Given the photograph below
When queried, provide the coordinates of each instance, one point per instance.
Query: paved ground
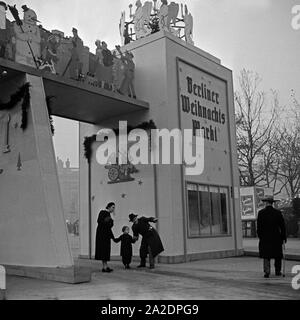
(233, 278)
(292, 246)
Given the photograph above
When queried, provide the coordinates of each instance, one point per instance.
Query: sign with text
(251, 201)
(248, 209)
(203, 105)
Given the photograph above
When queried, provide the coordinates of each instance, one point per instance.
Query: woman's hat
(3, 4)
(132, 216)
(269, 199)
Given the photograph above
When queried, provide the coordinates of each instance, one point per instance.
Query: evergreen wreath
(88, 141)
(48, 102)
(22, 93)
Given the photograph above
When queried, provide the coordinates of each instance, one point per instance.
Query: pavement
(218, 279)
(292, 248)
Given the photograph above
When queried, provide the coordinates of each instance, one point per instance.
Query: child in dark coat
(126, 246)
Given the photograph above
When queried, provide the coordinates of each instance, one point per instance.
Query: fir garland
(87, 144)
(48, 102)
(88, 141)
(22, 93)
(145, 126)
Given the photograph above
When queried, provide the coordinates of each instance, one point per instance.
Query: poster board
(251, 201)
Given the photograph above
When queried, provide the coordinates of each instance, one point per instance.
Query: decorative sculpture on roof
(3, 29)
(188, 20)
(6, 46)
(50, 46)
(26, 42)
(27, 37)
(3, 8)
(173, 10)
(122, 27)
(149, 19)
(127, 85)
(104, 65)
(75, 63)
(141, 19)
(163, 16)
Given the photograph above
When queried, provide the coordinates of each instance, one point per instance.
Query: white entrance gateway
(199, 216)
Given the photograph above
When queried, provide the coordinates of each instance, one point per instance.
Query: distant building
(69, 184)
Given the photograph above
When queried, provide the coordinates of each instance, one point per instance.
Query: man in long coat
(151, 242)
(272, 234)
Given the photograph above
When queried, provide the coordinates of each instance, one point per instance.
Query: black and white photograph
(149, 151)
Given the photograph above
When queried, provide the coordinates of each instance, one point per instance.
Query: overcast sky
(252, 34)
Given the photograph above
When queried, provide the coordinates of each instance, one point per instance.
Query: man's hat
(25, 8)
(269, 199)
(132, 216)
(3, 4)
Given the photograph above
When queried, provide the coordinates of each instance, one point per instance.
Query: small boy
(126, 246)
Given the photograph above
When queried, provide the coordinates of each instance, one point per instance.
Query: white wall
(32, 226)
(219, 168)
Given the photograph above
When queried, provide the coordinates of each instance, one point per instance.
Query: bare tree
(288, 152)
(256, 134)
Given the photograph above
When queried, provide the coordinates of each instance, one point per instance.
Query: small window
(194, 225)
(224, 210)
(204, 203)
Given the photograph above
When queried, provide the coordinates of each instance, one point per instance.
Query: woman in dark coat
(151, 242)
(104, 235)
(272, 234)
